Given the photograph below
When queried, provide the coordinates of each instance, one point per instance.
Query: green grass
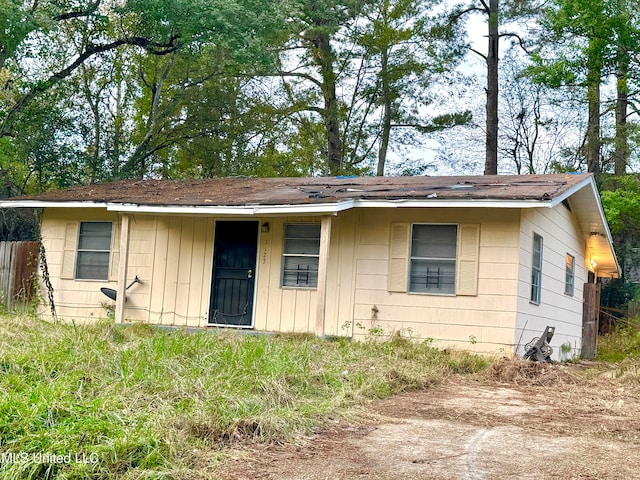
(623, 343)
(137, 402)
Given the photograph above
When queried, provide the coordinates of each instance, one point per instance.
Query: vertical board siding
(18, 268)
(289, 309)
(561, 235)
(78, 300)
(170, 254)
(185, 262)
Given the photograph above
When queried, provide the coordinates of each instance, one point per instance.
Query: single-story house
(483, 263)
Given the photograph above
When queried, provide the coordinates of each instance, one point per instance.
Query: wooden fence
(18, 267)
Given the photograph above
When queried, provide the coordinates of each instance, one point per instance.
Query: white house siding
(561, 235)
(483, 323)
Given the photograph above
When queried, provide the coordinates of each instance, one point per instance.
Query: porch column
(122, 268)
(323, 262)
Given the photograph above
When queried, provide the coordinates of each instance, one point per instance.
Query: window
(433, 259)
(570, 275)
(300, 255)
(94, 245)
(536, 269)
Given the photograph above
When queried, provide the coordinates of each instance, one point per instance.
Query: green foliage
(621, 344)
(143, 403)
(621, 203)
(617, 293)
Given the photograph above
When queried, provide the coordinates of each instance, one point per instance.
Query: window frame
(570, 275)
(452, 260)
(536, 269)
(80, 251)
(312, 275)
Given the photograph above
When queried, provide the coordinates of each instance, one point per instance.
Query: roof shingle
(237, 191)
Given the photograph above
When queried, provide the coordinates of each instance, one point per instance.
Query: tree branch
(152, 47)
(478, 53)
(520, 41)
(456, 15)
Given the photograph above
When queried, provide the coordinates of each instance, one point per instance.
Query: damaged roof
(242, 191)
(247, 197)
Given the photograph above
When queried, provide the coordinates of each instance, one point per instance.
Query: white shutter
(468, 252)
(114, 259)
(398, 257)
(69, 251)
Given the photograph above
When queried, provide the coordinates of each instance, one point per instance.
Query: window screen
(94, 245)
(433, 259)
(301, 253)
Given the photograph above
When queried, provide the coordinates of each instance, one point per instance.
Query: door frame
(256, 273)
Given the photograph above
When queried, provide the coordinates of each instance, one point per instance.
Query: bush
(623, 342)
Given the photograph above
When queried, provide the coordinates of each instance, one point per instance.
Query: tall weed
(137, 402)
(622, 343)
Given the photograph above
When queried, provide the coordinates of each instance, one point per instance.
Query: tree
(404, 48)
(589, 41)
(540, 129)
(80, 57)
(496, 15)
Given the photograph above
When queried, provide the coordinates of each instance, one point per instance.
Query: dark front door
(234, 265)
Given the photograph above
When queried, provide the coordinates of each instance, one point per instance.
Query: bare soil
(518, 421)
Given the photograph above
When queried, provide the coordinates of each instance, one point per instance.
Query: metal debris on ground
(538, 349)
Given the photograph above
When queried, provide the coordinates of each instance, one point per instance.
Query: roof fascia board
(50, 204)
(326, 208)
(590, 182)
(461, 203)
(577, 187)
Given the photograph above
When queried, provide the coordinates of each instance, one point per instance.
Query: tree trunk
(324, 57)
(621, 152)
(491, 162)
(386, 115)
(593, 127)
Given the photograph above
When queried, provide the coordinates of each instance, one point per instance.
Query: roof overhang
(584, 200)
(311, 208)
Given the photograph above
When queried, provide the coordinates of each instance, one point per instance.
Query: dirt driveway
(518, 421)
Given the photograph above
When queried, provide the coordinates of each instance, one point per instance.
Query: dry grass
(524, 372)
(159, 404)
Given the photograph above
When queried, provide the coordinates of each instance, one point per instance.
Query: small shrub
(623, 342)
